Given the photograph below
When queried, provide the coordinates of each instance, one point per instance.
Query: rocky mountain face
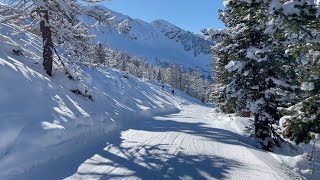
(155, 41)
(189, 40)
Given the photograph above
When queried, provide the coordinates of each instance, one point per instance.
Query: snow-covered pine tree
(58, 23)
(221, 57)
(215, 35)
(132, 66)
(173, 75)
(300, 20)
(259, 74)
(196, 85)
(121, 60)
(100, 54)
(110, 56)
(151, 72)
(159, 77)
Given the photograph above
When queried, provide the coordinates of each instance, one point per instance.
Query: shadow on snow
(154, 161)
(147, 161)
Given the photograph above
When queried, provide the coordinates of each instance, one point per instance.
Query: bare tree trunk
(47, 41)
(256, 117)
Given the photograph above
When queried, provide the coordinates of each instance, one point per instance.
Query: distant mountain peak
(159, 40)
(190, 41)
(163, 22)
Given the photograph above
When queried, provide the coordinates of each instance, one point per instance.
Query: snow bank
(41, 119)
(288, 156)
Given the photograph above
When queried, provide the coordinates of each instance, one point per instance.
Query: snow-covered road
(193, 144)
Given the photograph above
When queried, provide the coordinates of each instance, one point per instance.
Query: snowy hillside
(39, 114)
(155, 41)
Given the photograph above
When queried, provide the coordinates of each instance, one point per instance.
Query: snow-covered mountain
(155, 41)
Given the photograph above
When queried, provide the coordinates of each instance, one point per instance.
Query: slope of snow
(158, 40)
(38, 114)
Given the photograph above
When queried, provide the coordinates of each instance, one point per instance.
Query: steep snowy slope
(158, 40)
(41, 119)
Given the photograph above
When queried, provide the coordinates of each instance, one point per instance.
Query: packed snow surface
(196, 143)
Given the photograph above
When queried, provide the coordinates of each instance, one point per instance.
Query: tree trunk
(263, 132)
(256, 117)
(47, 41)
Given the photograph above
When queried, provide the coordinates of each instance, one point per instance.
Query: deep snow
(132, 130)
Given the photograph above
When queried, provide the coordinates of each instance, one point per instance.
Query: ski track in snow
(192, 144)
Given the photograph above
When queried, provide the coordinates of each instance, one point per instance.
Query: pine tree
(300, 19)
(100, 54)
(109, 56)
(159, 75)
(173, 76)
(58, 23)
(196, 85)
(216, 92)
(221, 58)
(258, 72)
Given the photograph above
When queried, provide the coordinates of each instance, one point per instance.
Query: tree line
(177, 76)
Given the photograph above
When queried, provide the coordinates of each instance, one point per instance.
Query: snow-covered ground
(41, 119)
(190, 144)
(131, 129)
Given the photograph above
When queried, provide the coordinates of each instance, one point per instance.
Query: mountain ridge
(156, 41)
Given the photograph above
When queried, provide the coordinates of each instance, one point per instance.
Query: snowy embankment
(289, 158)
(42, 120)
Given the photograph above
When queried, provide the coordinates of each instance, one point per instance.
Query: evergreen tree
(173, 76)
(196, 85)
(100, 54)
(221, 58)
(57, 21)
(159, 75)
(300, 20)
(258, 72)
(109, 56)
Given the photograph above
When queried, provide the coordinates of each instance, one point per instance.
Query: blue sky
(191, 15)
